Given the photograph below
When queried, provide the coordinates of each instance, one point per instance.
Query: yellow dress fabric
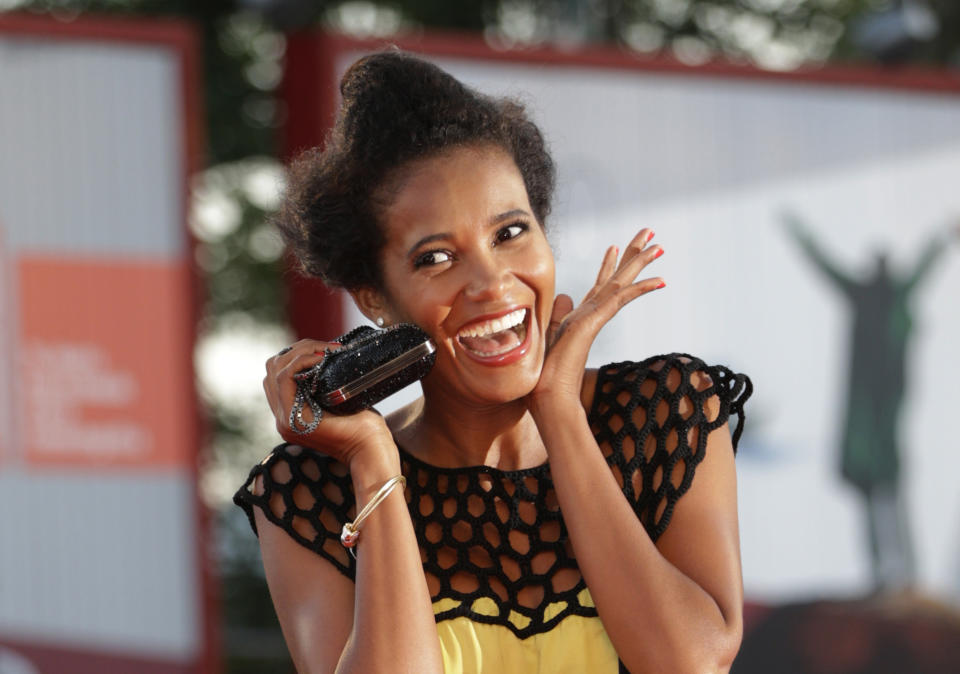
(577, 645)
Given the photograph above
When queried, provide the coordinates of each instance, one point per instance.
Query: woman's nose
(488, 280)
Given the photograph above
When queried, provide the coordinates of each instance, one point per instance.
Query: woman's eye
(511, 232)
(431, 258)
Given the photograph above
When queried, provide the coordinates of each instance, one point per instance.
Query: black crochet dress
(488, 536)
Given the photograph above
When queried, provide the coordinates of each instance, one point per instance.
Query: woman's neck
(446, 432)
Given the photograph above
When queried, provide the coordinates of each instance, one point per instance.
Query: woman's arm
(671, 607)
(313, 601)
(384, 622)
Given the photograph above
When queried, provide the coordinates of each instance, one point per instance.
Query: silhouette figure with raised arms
(870, 454)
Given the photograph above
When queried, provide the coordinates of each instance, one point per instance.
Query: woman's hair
(396, 108)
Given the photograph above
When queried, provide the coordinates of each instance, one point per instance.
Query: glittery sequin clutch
(368, 366)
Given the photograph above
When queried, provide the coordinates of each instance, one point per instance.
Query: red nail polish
(660, 285)
(659, 253)
(650, 235)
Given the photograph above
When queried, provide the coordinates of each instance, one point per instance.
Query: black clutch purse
(368, 366)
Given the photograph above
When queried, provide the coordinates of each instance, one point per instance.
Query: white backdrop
(711, 164)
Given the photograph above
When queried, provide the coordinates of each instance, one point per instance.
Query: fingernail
(658, 254)
(660, 285)
(650, 234)
(616, 251)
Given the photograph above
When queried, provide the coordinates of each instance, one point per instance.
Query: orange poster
(7, 357)
(103, 351)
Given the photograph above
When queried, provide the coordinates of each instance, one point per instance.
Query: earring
(379, 321)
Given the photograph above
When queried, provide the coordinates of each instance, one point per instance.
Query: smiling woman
(550, 519)
(464, 253)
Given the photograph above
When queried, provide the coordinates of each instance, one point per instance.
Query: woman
(428, 205)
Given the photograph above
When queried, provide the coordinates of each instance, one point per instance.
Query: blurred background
(799, 160)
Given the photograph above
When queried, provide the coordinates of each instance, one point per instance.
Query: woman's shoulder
(678, 380)
(653, 420)
(304, 492)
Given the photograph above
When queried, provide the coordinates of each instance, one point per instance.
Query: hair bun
(395, 108)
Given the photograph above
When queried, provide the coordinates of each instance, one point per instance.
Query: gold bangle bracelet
(351, 530)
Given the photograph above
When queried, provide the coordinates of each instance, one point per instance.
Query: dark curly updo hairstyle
(396, 108)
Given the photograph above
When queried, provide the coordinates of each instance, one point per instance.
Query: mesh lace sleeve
(652, 420)
(306, 494)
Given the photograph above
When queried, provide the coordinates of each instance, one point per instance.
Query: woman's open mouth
(493, 340)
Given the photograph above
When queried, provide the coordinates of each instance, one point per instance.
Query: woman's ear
(372, 304)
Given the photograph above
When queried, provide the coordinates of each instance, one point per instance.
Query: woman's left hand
(572, 330)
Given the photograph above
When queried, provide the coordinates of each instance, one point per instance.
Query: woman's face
(466, 260)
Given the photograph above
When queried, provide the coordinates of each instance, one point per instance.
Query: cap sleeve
(652, 420)
(308, 495)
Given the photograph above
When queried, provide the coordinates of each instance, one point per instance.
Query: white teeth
(511, 320)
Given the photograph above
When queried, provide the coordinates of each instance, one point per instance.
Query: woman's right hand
(340, 437)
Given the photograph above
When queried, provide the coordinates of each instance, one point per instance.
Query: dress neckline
(540, 470)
